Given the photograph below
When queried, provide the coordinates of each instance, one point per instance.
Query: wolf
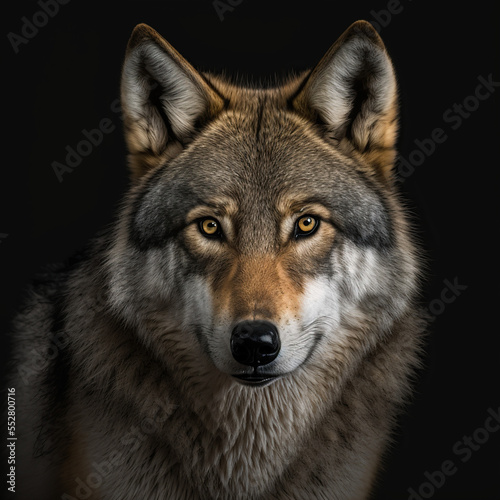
(249, 328)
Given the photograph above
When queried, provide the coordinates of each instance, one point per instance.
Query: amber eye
(306, 225)
(210, 227)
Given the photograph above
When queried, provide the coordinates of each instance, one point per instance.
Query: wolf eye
(210, 227)
(306, 225)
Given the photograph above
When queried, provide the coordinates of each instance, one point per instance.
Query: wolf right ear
(163, 100)
(352, 92)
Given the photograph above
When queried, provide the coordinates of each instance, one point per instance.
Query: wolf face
(262, 237)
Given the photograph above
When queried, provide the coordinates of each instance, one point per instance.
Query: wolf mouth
(256, 380)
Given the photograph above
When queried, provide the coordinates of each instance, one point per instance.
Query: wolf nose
(255, 343)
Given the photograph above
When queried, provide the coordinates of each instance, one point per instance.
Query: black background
(66, 78)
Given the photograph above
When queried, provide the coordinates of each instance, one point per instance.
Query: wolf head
(262, 236)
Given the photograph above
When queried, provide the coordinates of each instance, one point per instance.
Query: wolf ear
(164, 99)
(352, 92)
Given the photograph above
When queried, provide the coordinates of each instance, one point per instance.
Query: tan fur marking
(258, 288)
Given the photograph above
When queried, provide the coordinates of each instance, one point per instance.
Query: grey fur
(139, 399)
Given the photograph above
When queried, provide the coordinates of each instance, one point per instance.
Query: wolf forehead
(260, 156)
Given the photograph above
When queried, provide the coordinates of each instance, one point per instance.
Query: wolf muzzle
(255, 343)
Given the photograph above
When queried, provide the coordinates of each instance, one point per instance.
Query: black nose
(255, 343)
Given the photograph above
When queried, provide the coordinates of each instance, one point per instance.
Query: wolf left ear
(163, 100)
(352, 92)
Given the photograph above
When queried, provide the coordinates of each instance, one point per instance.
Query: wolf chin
(249, 327)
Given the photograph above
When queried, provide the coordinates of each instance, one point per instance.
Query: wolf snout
(255, 343)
